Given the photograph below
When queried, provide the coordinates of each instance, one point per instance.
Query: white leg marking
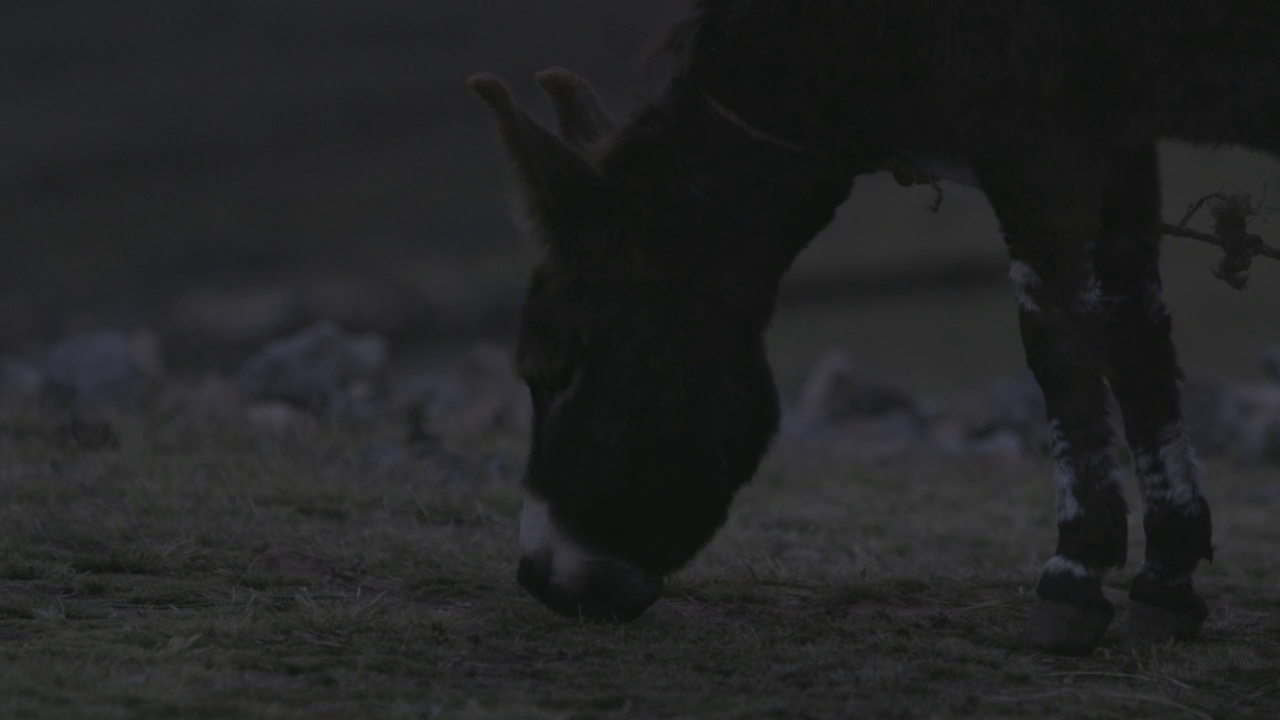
(1170, 473)
(539, 534)
(1091, 295)
(1024, 279)
(1059, 566)
(1064, 476)
(1067, 472)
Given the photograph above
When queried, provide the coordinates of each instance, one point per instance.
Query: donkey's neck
(726, 202)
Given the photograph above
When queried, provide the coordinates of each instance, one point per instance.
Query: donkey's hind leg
(1045, 191)
(1144, 375)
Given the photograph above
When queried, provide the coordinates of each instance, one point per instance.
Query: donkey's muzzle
(608, 590)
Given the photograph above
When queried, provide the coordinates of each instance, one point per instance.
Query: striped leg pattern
(1050, 221)
(1144, 373)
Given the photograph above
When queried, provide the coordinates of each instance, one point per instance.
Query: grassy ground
(161, 567)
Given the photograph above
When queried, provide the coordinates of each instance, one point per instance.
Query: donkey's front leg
(1049, 204)
(1144, 373)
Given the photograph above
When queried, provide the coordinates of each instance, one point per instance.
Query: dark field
(222, 174)
(203, 569)
(162, 164)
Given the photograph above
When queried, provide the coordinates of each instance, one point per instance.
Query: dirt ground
(197, 568)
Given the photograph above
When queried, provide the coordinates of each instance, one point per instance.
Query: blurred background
(224, 171)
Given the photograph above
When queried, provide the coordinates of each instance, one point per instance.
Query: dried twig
(1119, 675)
(1231, 214)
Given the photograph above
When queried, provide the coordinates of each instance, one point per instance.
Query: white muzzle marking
(539, 534)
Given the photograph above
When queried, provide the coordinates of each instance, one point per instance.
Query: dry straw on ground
(192, 569)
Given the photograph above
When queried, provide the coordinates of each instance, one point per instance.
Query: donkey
(641, 332)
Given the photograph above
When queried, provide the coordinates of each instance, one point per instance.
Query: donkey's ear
(580, 116)
(558, 180)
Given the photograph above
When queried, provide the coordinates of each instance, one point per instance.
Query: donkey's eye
(561, 395)
(550, 393)
(547, 379)
(550, 389)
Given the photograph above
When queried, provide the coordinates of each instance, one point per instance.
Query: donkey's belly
(957, 170)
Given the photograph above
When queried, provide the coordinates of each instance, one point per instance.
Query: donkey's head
(653, 401)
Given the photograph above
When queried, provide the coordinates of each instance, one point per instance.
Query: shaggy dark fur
(666, 238)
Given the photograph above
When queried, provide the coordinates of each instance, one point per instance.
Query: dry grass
(205, 570)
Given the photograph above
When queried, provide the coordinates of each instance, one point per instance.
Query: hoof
(1065, 629)
(1159, 612)
(1152, 623)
